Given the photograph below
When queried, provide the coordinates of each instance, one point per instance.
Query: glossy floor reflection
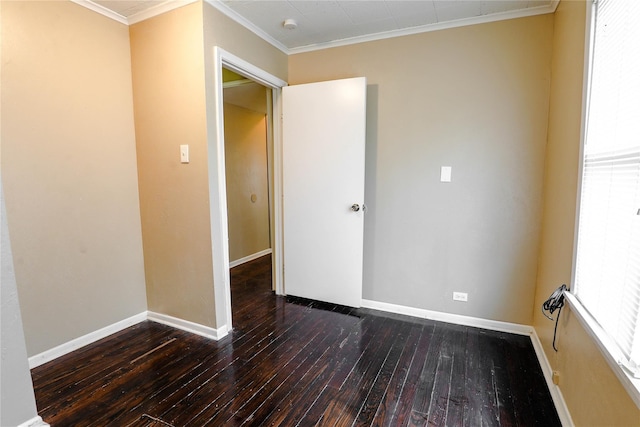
(298, 362)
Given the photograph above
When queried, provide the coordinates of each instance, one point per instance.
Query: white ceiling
(326, 23)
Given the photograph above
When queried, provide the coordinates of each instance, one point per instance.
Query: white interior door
(323, 189)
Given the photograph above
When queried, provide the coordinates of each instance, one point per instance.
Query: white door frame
(218, 185)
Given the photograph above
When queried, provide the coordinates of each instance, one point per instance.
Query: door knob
(355, 207)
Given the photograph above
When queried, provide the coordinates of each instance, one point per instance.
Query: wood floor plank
(360, 392)
(457, 393)
(504, 400)
(481, 372)
(97, 360)
(334, 364)
(263, 401)
(295, 362)
(335, 394)
(259, 374)
(122, 382)
(193, 377)
(523, 363)
(391, 399)
(410, 387)
(440, 396)
(200, 395)
(422, 398)
(285, 380)
(376, 391)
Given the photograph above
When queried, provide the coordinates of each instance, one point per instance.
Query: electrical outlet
(460, 296)
(555, 377)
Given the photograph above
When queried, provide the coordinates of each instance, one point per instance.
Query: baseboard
(457, 319)
(249, 258)
(494, 325)
(34, 422)
(75, 344)
(556, 393)
(69, 346)
(185, 325)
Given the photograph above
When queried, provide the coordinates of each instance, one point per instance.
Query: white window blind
(607, 279)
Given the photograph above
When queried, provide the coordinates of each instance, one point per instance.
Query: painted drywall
(475, 99)
(223, 32)
(245, 137)
(169, 103)
(220, 30)
(593, 394)
(172, 69)
(17, 401)
(69, 170)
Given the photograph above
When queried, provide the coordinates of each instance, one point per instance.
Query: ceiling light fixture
(290, 24)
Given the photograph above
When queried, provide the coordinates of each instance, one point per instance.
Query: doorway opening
(248, 174)
(218, 198)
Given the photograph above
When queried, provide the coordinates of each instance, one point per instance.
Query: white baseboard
(34, 422)
(249, 258)
(185, 325)
(69, 346)
(457, 319)
(217, 334)
(556, 393)
(494, 325)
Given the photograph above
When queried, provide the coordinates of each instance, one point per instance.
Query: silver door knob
(355, 207)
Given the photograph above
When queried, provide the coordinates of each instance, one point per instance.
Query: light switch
(184, 153)
(445, 174)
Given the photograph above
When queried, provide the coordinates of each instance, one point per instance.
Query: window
(607, 275)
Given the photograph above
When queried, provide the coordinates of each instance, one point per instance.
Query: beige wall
(245, 136)
(592, 392)
(172, 69)
(219, 30)
(474, 98)
(69, 170)
(223, 32)
(169, 102)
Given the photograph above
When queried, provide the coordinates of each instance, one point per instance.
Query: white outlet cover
(460, 296)
(445, 174)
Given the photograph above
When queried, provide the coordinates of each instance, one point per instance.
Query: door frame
(218, 186)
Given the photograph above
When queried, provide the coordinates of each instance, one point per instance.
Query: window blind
(607, 279)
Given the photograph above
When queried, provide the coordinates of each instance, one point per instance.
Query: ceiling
(247, 94)
(328, 23)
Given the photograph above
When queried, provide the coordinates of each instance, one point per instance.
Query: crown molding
(101, 10)
(158, 9)
(540, 10)
(169, 5)
(233, 15)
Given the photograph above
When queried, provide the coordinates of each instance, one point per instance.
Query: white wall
(17, 401)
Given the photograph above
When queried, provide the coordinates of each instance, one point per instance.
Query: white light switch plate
(445, 174)
(184, 153)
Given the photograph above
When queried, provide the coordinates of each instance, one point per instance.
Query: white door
(323, 189)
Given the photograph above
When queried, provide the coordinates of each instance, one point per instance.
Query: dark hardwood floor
(293, 362)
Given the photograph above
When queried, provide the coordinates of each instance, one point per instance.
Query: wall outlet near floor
(460, 296)
(555, 377)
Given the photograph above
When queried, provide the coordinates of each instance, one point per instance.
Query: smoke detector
(290, 24)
